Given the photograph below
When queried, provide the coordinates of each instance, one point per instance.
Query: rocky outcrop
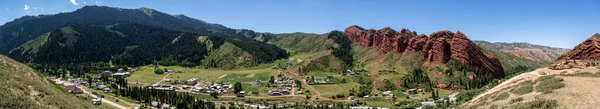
(587, 50)
(441, 46)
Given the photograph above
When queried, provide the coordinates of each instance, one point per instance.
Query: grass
(537, 104)
(23, 88)
(111, 97)
(524, 88)
(548, 83)
(146, 74)
(502, 96)
(584, 74)
(378, 102)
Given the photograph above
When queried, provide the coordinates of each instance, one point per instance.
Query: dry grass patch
(524, 88)
(502, 96)
(548, 83)
(537, 104)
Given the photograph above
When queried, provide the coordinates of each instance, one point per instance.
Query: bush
(537, 104)
(548, 83)
(516, 100)
(525, 88)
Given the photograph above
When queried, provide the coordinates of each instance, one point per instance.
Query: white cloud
(26, 8)
(73, 2)
(84, 3)
(98, 2)
(43, 10)
(6, 9)
(35, 8)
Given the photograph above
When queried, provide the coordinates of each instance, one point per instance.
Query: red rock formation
(587, 50)
(441, 46)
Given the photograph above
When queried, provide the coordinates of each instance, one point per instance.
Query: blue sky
(557, 23)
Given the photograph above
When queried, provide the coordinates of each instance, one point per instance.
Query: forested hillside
(134, 37)
(136, 45)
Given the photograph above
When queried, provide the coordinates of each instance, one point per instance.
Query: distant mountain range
(528, 51)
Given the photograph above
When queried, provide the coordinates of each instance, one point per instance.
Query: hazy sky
(558, 23)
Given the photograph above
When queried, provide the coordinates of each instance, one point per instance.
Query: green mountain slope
(28, 28)
(137, 44)
(22, 88)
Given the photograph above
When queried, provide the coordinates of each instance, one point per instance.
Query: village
(278, 85)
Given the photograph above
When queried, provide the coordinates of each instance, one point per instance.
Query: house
(326, 79)
(275, 93)
(107, 90)
(165, 106)
(77, 90)
(97, 101)
(107, 73)
(192, 81)
(119, 75)
(155, 103)
(258, 82)
(411, 91)
(100, 87)
(167, 80)
(299, 92)
(70, 87)
(386, 93)
(241, 94)
(351, 73)
(285, 91)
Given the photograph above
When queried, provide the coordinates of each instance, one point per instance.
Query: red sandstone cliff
(587, 50)
(439, 46)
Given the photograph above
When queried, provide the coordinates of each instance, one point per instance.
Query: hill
(133, 37)
(23, 88)
(587, 50)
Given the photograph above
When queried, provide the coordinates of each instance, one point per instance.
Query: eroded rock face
(587, 50)
(441, 46)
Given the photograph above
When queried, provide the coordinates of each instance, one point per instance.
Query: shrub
(525, 88)
(548, 83)
(516, 100)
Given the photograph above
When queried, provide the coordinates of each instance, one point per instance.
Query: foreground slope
(571, 82)
(543, 88)
(22, 88)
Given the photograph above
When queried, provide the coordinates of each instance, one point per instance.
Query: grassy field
(146, 74)
(378, 102)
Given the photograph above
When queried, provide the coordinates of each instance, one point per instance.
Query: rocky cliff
(587, 50)
(441, 46)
